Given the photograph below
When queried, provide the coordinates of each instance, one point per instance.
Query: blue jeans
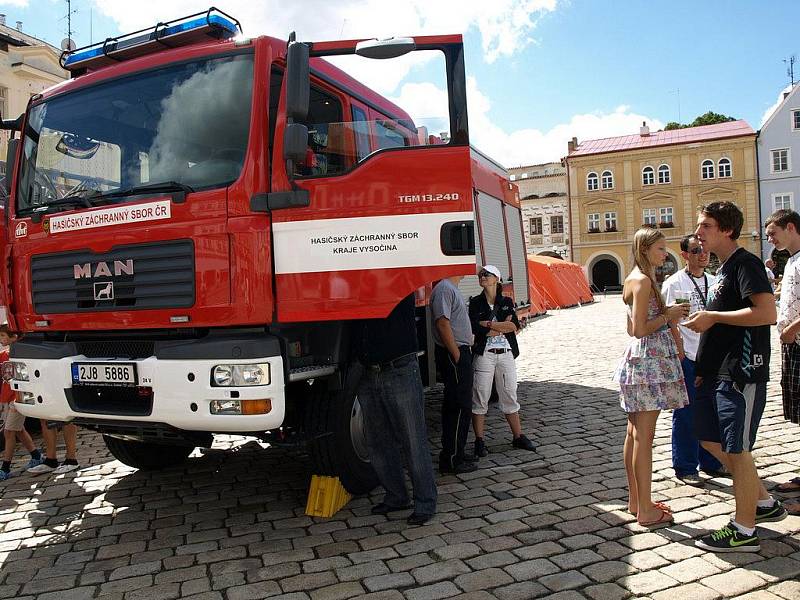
(687, 454)
(393, 404)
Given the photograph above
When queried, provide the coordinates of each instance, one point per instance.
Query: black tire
(147, 456)
(337, 444)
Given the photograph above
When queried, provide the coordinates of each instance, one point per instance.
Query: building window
(594, 222)
(665, 216)
(611, 221)
(513, 177)
(707, 169)
(796, 119)
(4, 101)
(780, 160)
(557, 224)
(591, 182)
(724, 167)
(780, 201)
(524, 176)
(536, 226)
(648, 176)
(608, 180)
(649, 216)
(664, 175)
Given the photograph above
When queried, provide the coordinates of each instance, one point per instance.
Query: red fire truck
(195, 218)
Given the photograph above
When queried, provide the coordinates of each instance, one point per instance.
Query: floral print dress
(649, 374)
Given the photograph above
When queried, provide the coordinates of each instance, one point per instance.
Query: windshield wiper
(76, 200)
(177, 189)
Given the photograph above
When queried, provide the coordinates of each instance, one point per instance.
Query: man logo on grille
(104, 291)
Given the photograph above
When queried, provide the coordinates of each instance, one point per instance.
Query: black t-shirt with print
(740, 354)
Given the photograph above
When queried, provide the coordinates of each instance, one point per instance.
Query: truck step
(311, 372)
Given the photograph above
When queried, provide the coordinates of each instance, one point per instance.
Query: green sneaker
(729, 539)
(773, 513)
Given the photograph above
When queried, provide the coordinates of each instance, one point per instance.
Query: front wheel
(338, 446)
(147, 456)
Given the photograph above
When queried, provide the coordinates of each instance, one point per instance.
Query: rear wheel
(147, 456)
(338, 446)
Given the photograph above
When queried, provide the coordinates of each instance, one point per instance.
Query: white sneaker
(65, 468)
(41, 469)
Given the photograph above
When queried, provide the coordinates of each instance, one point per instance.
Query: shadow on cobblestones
(230, 525)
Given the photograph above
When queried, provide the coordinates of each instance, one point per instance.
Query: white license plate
(104, 373)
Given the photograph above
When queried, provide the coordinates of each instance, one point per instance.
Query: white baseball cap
(493, 270)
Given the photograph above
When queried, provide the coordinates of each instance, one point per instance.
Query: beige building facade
(617, 185)
(28, 66)
(545, 208)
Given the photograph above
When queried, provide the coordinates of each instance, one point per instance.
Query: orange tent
(561, 283)
(537, 297)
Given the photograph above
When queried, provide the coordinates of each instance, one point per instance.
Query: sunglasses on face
(485, 274)
(697, 250)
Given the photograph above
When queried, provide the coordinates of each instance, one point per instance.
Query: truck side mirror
(298, 83)
(11, 159)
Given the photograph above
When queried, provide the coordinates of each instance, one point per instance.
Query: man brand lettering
(102, 269)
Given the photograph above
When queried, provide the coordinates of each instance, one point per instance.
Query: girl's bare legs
(644, 430)
(627, 457)
(637, 454)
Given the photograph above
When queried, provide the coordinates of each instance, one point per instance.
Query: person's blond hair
(643, 240)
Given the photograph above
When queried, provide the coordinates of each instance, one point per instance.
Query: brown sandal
(793, 485)
(792, 507)
(659, 505)
(665, 518)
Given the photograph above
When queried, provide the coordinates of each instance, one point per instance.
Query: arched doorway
(605, 273)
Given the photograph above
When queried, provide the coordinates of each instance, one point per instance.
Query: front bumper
(174, 384)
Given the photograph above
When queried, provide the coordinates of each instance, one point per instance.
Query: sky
(539, 71)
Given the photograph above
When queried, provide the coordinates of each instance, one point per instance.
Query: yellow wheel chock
(326, 496)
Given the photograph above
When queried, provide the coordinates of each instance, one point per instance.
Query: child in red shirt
(12, 422)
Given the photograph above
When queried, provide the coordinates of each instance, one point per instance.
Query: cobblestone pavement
(230, 525)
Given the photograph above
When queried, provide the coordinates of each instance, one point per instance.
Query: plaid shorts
(10, 419)
(790, 381)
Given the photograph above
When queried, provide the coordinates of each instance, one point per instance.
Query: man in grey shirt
(453, 335)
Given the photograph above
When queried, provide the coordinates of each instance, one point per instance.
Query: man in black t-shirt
(732, 369)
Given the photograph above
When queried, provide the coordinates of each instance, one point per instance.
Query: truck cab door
(387, 187)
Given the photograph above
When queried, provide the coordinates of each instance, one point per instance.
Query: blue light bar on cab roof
(179, 32)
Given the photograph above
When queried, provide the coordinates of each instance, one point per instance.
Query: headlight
(222, 375)
(240, 375)
(15, 370)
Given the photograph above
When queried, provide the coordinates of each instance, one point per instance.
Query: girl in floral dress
(649, 374)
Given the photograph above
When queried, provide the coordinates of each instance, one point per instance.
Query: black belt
(498, 350)
(395, 363)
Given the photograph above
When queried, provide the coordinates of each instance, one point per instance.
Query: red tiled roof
(664, 138)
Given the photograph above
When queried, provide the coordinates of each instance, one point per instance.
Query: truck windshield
(185, 124)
